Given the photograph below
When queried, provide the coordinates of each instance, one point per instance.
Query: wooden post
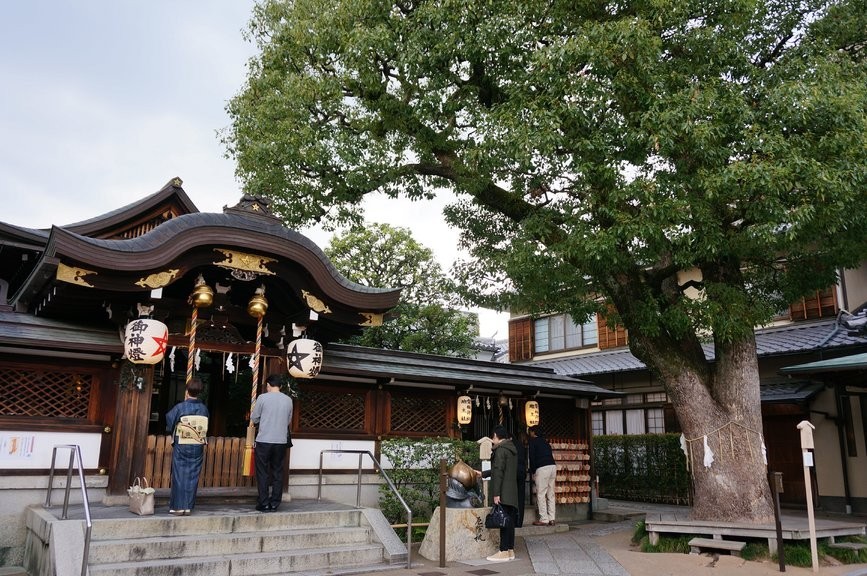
(776, 481)
(806, 429)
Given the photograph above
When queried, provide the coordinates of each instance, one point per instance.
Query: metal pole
(442, 513)
(319, 491)
(358, 490)
(68, 484)
(51, 478)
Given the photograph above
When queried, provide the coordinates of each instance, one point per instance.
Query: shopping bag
(497, 518)
(141, 497)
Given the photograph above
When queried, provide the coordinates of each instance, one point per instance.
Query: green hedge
(415, 472)
(641, 467)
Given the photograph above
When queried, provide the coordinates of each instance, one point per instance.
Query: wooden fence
(224, 458)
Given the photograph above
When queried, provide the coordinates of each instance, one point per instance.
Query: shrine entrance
(227, 377)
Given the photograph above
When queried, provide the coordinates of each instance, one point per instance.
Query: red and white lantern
(144, 341)
(304, 358)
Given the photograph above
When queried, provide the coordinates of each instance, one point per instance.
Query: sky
(103, 102)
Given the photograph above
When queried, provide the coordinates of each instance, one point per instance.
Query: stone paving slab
(571, 555)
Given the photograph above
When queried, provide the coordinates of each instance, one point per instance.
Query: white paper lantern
(465, 410)
(144, 341)
(304, 358)
(531, 413)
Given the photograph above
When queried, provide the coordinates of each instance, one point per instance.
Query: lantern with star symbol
(144, 341)
(304, 358)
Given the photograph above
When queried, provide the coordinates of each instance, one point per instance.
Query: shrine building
(227, 286)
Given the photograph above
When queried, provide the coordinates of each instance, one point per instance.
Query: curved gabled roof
(171, 192)
(258, 233)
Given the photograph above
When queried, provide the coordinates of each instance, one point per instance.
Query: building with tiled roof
(815, 329)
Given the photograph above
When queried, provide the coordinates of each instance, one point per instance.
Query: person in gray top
(273, 414)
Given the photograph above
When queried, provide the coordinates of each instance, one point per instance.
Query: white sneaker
(501, 556)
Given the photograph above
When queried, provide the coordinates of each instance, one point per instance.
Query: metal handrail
(74, 450)
(388, 481)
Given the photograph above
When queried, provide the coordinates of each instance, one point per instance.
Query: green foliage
(596, 151)
(756, 550)
(642, 467)
(416, 472)
(796, 553)
(639, 533)
(425, 320)
(668, 544)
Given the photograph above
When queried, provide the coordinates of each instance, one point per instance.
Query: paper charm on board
(708, 454)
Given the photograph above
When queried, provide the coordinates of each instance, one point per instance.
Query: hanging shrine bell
(465, 410)
(203, 295)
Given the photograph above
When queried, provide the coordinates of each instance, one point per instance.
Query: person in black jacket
(504, 489)
(520, 441)
(544, 471)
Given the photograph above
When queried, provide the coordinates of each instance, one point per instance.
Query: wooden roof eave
(456, 372)
(157, 249)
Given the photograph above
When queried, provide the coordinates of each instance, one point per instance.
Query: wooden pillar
(129, 436)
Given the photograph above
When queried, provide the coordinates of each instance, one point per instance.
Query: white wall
(32, 450)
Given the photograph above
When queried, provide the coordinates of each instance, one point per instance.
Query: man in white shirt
(273, 414)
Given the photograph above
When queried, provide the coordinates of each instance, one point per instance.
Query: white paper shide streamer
(172, 359)
(708, 454)
(230, 364)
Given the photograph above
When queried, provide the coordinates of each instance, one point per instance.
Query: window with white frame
(637, 413)
(560, 332)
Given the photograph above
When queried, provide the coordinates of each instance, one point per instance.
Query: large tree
(598, 150)
(426, 318)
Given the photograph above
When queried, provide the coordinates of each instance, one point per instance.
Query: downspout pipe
(844, 453)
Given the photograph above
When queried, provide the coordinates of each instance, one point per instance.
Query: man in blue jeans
(273, 414)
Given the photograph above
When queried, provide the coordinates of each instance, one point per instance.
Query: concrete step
(164, 547)
(160, 525)
(255, 564)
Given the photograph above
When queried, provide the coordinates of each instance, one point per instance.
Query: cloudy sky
(104, 101)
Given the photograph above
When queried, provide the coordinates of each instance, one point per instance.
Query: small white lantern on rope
(465, 410)
(144, 341)
(531, 413)
(304, 358)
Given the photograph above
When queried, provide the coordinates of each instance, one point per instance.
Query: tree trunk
(719, 403)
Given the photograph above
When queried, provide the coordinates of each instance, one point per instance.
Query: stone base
(466, 535)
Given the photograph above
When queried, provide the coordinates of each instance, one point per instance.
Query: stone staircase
(221, 542)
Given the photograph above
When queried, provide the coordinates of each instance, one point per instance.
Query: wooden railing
(221, 469)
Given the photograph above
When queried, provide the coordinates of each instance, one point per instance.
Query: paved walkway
(568, 553)
(582, 552)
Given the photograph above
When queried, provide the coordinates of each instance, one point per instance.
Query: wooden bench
(732, 546)
(848, 545)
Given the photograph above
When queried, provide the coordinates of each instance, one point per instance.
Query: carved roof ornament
(314, 303)
(253, 205)
(159, 279)
(244, 262)
(74, 275)
(371, 319)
